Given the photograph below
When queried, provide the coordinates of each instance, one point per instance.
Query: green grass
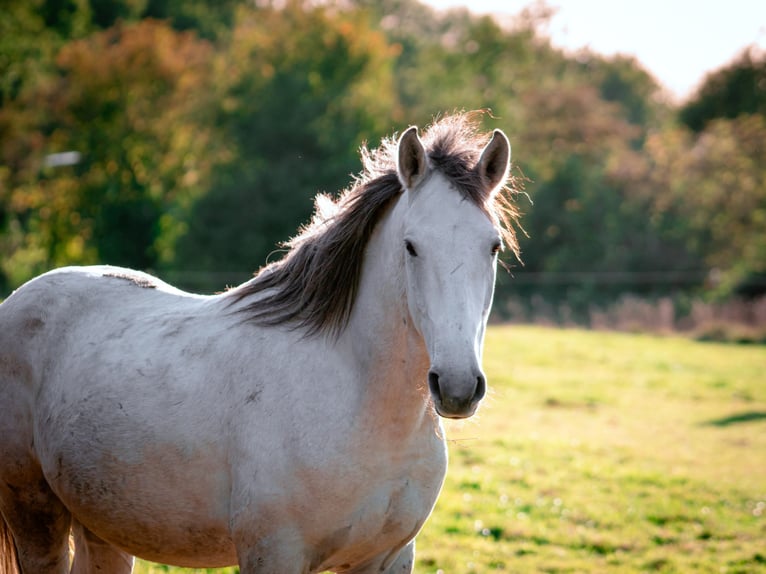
(603, 452)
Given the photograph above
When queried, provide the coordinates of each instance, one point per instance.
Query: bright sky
(678, 41)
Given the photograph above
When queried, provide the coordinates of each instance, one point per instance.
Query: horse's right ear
(411, 162)
(495, 161)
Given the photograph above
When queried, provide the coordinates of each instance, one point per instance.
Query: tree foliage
(126, 98)
(727, 93)
(314, 86)
(203, 129)
(714, 196)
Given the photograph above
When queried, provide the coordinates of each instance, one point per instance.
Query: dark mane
(315, 284)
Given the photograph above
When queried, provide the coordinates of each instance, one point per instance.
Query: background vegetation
(598, 452)
(202, 129)
(196, 133)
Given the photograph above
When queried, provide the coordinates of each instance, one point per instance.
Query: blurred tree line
(201, 130)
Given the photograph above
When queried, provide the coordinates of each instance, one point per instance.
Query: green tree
(731, 91)
(27, 48)
(713, 197)
(211, 19)
(125, 101)
(300, 89)
(623, 80)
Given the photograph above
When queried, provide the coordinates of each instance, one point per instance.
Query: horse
(291, 424)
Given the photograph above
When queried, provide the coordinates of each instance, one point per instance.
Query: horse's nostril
(433, 384)
(481, 388)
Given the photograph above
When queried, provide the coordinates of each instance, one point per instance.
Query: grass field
(604, 452)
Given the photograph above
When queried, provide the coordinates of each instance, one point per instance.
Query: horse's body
(206, 431)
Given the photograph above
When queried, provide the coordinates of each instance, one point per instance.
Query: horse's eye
(410, 249)
(496, 248)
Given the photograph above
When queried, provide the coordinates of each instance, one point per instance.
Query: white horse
(286, 425)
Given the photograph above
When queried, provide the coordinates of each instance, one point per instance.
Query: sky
(678, 41)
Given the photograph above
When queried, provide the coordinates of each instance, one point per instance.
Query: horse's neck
(391, 353)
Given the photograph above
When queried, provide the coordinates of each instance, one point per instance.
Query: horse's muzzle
(456, 398)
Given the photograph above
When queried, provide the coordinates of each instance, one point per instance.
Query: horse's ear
(495, 161)
(411, 162)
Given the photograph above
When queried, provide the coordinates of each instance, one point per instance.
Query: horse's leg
(272, 558)
(92, 555)
(39, 523)
(403, 562)
(283, 553)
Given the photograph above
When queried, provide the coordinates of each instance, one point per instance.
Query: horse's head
(450, 245)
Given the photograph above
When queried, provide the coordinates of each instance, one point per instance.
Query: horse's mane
(315, 284)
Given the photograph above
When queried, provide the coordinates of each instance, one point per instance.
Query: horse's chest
(385, 519)
(377, 511)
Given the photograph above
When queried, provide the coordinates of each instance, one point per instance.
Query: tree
(301, 89)
(125, 100)
(210, 19)
(714, 196)
(731, 91)
(27, 48)
(623, 80)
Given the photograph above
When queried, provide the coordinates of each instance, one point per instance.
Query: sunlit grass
(603, 452)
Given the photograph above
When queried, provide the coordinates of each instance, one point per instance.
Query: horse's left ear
(495, 161)
(411, 162)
